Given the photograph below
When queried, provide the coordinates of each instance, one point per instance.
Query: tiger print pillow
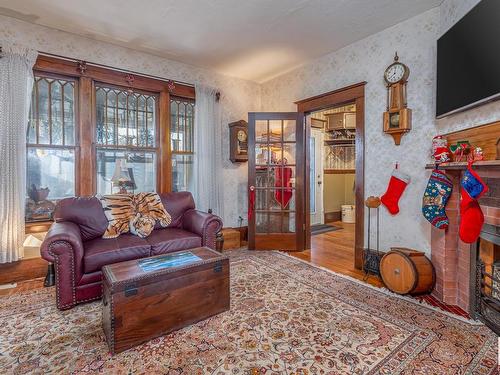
(149, 204)
(118, 208)
(141, 225)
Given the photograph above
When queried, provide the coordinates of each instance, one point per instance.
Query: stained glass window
(182, 142)
(126, 127)
(125, 118)
(50, 146)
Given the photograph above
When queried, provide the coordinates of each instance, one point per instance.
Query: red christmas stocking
(397, 185)
(471, 216)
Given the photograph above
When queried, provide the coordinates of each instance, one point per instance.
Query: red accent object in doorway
(251, 202)
(283, 176)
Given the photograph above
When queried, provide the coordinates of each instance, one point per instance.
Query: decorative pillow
(149, 204)
(141, 225)
(118, 209)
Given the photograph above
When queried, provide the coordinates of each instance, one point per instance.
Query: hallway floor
(335, 251)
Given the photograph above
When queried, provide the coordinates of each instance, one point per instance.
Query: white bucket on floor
(348, 213)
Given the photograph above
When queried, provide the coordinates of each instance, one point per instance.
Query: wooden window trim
(49, 64)
(85, 142)
(37, 226)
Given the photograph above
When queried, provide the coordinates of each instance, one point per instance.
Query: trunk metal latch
(218, 266)
(131, 289)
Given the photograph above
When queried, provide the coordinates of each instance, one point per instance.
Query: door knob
(319, 182)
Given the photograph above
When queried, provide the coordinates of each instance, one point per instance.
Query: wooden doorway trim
(350, 94)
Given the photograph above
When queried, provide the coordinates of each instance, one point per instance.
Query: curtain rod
(111, 67)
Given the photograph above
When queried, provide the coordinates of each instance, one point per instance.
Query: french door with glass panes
(276, 177)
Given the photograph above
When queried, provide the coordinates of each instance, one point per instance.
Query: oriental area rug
(286, 317)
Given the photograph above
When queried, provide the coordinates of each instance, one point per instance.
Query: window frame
(86, 76)
(182, 153)
(37, 145)
(128, 148)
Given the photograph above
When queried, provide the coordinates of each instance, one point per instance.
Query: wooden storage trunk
(231, 238)
(140, 305)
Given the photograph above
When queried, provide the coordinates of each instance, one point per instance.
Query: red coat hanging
(283, 176)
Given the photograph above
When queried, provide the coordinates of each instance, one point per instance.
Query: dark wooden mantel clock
(238, 138)
(397, 118)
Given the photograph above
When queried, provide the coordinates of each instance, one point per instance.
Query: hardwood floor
(335, 251)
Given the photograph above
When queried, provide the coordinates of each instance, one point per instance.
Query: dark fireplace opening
(485, 278)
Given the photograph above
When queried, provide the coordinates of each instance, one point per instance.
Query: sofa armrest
(63, 246)
(62, 232)
(203, 224)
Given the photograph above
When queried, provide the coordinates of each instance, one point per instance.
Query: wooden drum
(406, 271)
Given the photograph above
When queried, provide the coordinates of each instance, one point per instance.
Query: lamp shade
(121, 174)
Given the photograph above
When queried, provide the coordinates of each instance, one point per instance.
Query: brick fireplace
(450, 256)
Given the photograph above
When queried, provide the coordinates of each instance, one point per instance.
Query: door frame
(350, 94)
(300, 208)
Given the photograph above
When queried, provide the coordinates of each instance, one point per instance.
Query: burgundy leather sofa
(75, 246)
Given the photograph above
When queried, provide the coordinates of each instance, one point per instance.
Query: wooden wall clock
(238, 138)
(397, 117)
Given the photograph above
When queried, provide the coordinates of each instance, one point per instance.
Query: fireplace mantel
(484, 164)
(451, 256)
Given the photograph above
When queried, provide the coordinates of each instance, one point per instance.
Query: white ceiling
(250, 39)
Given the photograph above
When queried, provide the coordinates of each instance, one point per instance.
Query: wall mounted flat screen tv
(468, 60)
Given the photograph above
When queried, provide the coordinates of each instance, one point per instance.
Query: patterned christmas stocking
(397, 185)
(471, 216)
(436, 196)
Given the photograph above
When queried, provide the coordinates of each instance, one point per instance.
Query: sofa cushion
(86, 212)
(100, 252)
(176, 204)
(172, 239)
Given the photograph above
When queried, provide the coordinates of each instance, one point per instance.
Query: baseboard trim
(26, 269)
(333, 216)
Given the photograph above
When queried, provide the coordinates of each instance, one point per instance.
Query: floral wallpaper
(366, 60)
(238, 96)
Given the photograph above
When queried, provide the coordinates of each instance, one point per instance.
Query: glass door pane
(273, 177)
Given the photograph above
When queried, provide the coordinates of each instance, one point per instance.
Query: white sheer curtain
(16, 81)
(207, 182)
